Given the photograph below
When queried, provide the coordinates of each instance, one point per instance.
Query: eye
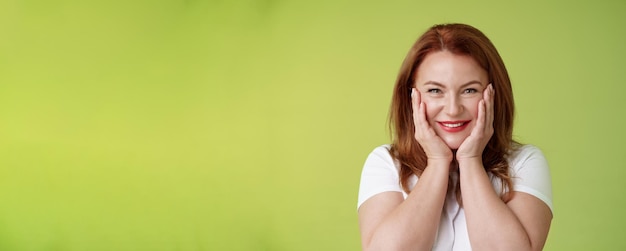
(434, 91)
(470, 90)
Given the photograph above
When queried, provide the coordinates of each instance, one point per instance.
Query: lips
(453, 126)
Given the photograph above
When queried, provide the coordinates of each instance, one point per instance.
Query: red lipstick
(453, 126)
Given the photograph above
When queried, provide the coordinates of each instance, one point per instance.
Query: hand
(434, 147)
(474, 145)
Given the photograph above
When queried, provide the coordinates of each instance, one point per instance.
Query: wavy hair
(460, 39)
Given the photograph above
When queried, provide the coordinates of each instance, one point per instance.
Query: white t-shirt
(528, 169)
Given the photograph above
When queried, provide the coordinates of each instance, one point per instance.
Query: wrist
(444, 161)
(474, 160)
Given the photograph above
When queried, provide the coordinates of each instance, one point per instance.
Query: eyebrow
(443, 86)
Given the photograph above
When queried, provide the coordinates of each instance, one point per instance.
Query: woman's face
(451, 86)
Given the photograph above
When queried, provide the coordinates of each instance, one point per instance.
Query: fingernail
(412, 92)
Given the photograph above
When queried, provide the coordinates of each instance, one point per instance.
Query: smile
(453, 126)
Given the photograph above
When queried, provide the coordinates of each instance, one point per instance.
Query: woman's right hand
(434, 147)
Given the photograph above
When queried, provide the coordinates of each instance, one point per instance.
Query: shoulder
(381, 152)
(530, 172)
(380, 174)
(380, 158)
(383, 149)
(522, 155)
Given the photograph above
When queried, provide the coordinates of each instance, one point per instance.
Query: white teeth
(453, 125)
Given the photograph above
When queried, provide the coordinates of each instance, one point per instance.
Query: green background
(244, 125)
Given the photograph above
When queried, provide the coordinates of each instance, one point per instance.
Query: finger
(422, 128)
(489, 106)
(480, 122)
(420, 113)
(415, 106)
(413, 100)
(486, 92)
(415, 103)
(422, 116)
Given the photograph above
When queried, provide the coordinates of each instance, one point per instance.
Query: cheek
(472, 107)
(432, 109)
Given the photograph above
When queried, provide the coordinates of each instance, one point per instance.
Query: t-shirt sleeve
(532, 175)
(379, 175)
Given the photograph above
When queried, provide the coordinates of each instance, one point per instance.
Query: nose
(453, 106)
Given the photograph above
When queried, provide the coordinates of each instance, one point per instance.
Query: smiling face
(451, 86)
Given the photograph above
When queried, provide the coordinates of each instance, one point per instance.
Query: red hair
(459, 39)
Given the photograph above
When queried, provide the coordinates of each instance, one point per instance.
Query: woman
(453, 178)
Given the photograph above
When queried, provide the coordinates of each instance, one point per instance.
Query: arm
(388, 222)
(520, 224)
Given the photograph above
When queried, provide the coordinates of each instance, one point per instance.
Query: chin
(454, 144)
(454, 147)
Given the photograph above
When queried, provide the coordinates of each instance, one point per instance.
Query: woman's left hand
(474, 145)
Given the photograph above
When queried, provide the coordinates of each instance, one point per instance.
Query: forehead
(446, 68)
